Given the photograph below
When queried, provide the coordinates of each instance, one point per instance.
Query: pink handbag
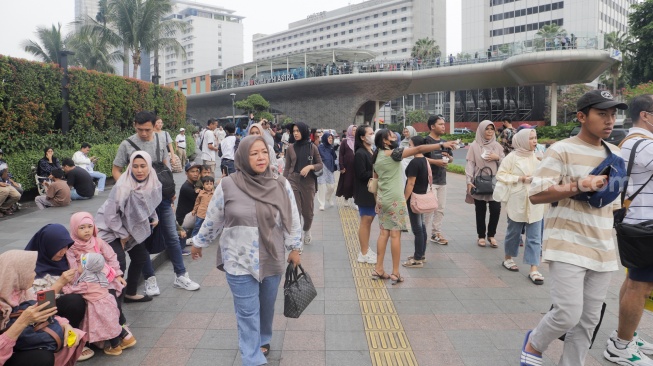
(425, 203)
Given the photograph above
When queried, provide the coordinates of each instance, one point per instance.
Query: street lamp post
(65, 109)
(478, 114)
(233, 107)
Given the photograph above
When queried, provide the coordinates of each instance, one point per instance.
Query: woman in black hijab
(302, 160)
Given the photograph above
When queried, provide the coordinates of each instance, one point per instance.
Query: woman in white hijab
(513, 183)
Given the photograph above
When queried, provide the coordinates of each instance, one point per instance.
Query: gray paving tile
(346, 341)
(348, 358)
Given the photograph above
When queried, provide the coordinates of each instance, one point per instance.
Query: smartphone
(605, 171)
(45, 296)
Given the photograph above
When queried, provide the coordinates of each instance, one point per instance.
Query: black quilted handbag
(484, 182)
(298, 291)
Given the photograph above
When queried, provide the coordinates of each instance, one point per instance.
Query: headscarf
(521, 143)
(268, 192)
(302, 147)
(47, 242)
(136, 200)
(266, 135)
(91, 246)
(16, 271)
(351, 136)
(327, 153)
(480, 133)
(93, 264)
(411, 133)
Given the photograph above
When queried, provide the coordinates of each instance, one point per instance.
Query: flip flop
(481, 242)
(529, 359)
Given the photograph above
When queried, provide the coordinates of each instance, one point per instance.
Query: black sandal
(377, 276)
(397, 278)
(266, 349)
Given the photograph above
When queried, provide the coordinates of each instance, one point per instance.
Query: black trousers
(138, 256)
(35, 357)
(481, 210)
(72, 307)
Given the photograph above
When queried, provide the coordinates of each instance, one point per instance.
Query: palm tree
(52, 43)
(425, 48)
(623, 43)
(547, 33)
(94, 50)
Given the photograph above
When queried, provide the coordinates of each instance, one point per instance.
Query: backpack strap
(631, 161)
(158, 154)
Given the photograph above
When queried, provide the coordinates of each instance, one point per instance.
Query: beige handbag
(373, 184)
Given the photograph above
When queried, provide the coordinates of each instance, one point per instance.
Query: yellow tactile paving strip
(386, 337)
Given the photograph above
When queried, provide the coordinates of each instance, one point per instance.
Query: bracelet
(578, 186)
(295, 250)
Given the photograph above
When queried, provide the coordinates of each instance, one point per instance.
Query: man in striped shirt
(625, 347)
(577, 240)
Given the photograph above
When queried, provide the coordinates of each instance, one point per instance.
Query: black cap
(192, 165)
(599, 99)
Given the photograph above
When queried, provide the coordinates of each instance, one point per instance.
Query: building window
(385, 23)
(404, 19)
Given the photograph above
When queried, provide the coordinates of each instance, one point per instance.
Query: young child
(205, 171)
(57, 193)
(102, 314)
(202, 203)
(99, 321)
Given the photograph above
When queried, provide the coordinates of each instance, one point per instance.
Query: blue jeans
(76, 197)
(254, 305)
(101, 179)
(198, 224)
(419, 230)
(533, 244)
(167, 223)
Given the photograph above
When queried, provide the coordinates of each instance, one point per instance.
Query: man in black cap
(578, 242)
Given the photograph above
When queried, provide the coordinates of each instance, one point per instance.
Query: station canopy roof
(312, 57)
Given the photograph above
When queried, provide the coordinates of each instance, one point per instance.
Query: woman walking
(484, 156)
(346, 165)
(127, 217)
(364, 169)
(257, 130)
(326, 183)
(302, 160)
(516, 172)
(391, 203)
(258, 221)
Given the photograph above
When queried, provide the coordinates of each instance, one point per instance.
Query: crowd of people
(255, 195)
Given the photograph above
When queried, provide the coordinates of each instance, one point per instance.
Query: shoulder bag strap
(133, 144)
(428, 166)
(631, 162)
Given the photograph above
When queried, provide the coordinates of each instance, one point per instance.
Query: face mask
(394, 144)
(369, 140)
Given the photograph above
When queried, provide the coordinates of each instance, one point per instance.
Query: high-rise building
(85, 8)
(213, 41)
(493, 23)
(388, 27)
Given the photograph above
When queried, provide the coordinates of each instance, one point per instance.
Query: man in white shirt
(180, 141)
(81, 159)
(208, 145)
(625, 346)
(219, 134)
(227, 151)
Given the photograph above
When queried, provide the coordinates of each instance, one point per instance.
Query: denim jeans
(228, 164)
(101, 179)
(254, 305)
(419, 229)
(533, 244)
(198, 224)
(168, 224)
(76, 197)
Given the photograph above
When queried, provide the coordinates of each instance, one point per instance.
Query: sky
(22, 17)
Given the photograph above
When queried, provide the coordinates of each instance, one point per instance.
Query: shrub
(455, 168)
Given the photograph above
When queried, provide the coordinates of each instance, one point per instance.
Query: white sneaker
(186, 283)
(151, 287)
(321, 208)
(307, 237)
(644, 346)
(630, 356)
(370, 257)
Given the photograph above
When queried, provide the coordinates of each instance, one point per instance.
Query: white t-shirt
(181, 141)
(641, 209)
(228, 147)
(208, 154)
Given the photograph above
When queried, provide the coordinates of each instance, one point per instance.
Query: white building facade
(493, 23)
(213, 41)
(388, 27)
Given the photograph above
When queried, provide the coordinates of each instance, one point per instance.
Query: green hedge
(455, 168)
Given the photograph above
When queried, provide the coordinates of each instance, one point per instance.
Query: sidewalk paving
(462, 308)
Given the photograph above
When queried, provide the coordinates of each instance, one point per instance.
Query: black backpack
(162, 172)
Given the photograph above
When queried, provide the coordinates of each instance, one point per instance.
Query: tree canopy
(425, 48)
(640, 21)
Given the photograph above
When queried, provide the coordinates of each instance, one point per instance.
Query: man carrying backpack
(146, 140)
(505, 139)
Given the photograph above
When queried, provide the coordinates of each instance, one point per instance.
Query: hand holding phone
(46, 296)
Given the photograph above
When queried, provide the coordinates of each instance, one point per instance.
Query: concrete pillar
(376, 115)
(452, 110)
(554, 104)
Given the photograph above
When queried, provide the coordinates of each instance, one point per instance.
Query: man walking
(439, 160)
(145, 140)
(208, 145)
(625, 347)
(180, 141)
(578, 242)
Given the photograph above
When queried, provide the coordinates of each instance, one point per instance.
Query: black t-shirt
(439, 174)
(79, 179)
(187, 197)
(417, 168)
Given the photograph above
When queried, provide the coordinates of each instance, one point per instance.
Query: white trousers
(577, 295)
(325, 193)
